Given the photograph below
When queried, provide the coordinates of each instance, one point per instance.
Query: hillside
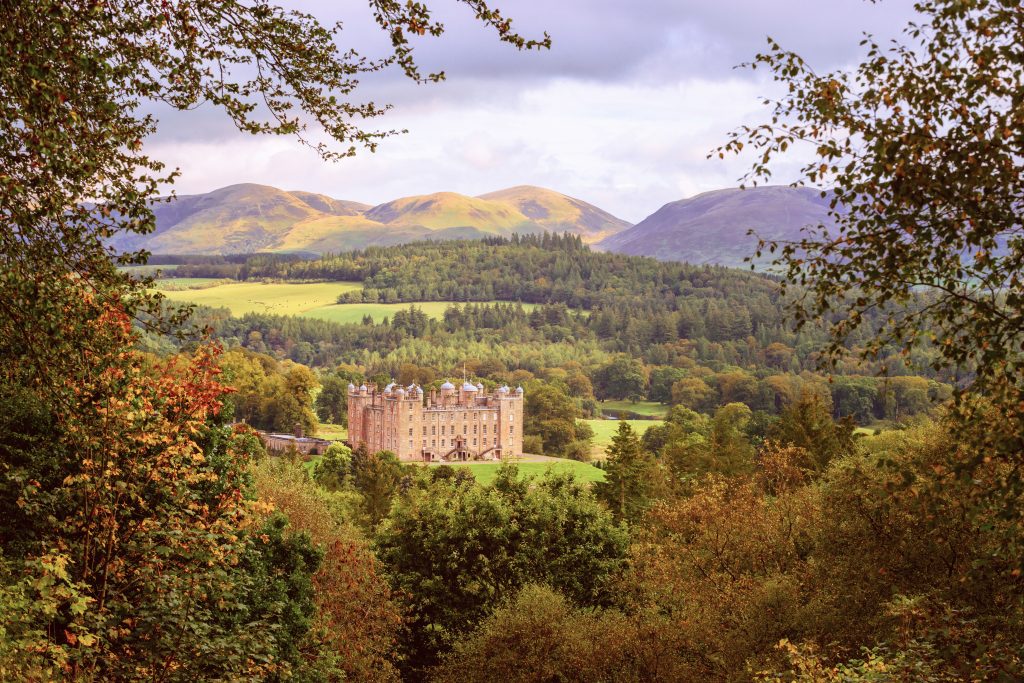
(557, 212)
(249, 218)
(712, 227)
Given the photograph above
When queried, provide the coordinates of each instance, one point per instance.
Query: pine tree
(629, 480)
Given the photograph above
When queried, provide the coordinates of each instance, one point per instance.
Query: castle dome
(362, 387)
(468, 386)
(389, 387)
(447, 385)
(519, 391)
(503, 390)
(351, 387)
(400, 393)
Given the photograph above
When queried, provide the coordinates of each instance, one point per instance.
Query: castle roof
(447, 385)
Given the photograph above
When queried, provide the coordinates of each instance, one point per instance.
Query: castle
(451, 424)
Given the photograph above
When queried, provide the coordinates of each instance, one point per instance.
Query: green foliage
(332, 401)
(268, 394)
(334, 468)
(807, 424)
(540, 636)
(553, 416)
(919, 148)
(630, 476)
(459, 550)
(376, 476)
(623, 378)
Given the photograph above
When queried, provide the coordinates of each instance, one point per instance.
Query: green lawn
(485, 472)
(605, 429)
(642, 408)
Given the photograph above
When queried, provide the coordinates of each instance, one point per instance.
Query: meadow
(604, 430)
(309, 299)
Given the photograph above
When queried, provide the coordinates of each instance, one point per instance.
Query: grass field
(353, 313)
(604, 430)
(261, 297)
(310, 300)
(183, 283)
(642, 408)
(485, 472)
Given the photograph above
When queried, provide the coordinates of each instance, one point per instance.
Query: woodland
(834, 493)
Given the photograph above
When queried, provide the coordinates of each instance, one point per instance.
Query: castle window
(510, 429)
(424, 431)
(410, 431)
(433, 430)
(433, 442)
(474, 429)
(410, 443)
(474, 442)
(485, 429)
(442, 443)
(464, 428)
(442, 430)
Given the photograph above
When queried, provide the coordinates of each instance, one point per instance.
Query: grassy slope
(448, 209)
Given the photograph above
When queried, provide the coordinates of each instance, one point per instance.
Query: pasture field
(643, 408)
(309, 300)
(183, 283)
(353, 313)
(604, 430)
(263, 297)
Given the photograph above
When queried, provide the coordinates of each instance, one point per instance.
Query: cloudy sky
(621, 112)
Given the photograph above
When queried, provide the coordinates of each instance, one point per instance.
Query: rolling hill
(557, 212)
(247, 218)
(712, 227)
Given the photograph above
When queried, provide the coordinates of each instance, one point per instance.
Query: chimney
(298, 430)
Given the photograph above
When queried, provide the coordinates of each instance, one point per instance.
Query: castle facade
(448, 425)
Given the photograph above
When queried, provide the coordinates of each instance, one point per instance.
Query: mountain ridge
(249, 217)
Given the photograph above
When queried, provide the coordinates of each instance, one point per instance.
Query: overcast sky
(621, 112)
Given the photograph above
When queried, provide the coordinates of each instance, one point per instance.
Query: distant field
(604, 430)
(485, 472)
(353, 313)
(180, 283)
(645, 408)
(260, 297)
(309, 300)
